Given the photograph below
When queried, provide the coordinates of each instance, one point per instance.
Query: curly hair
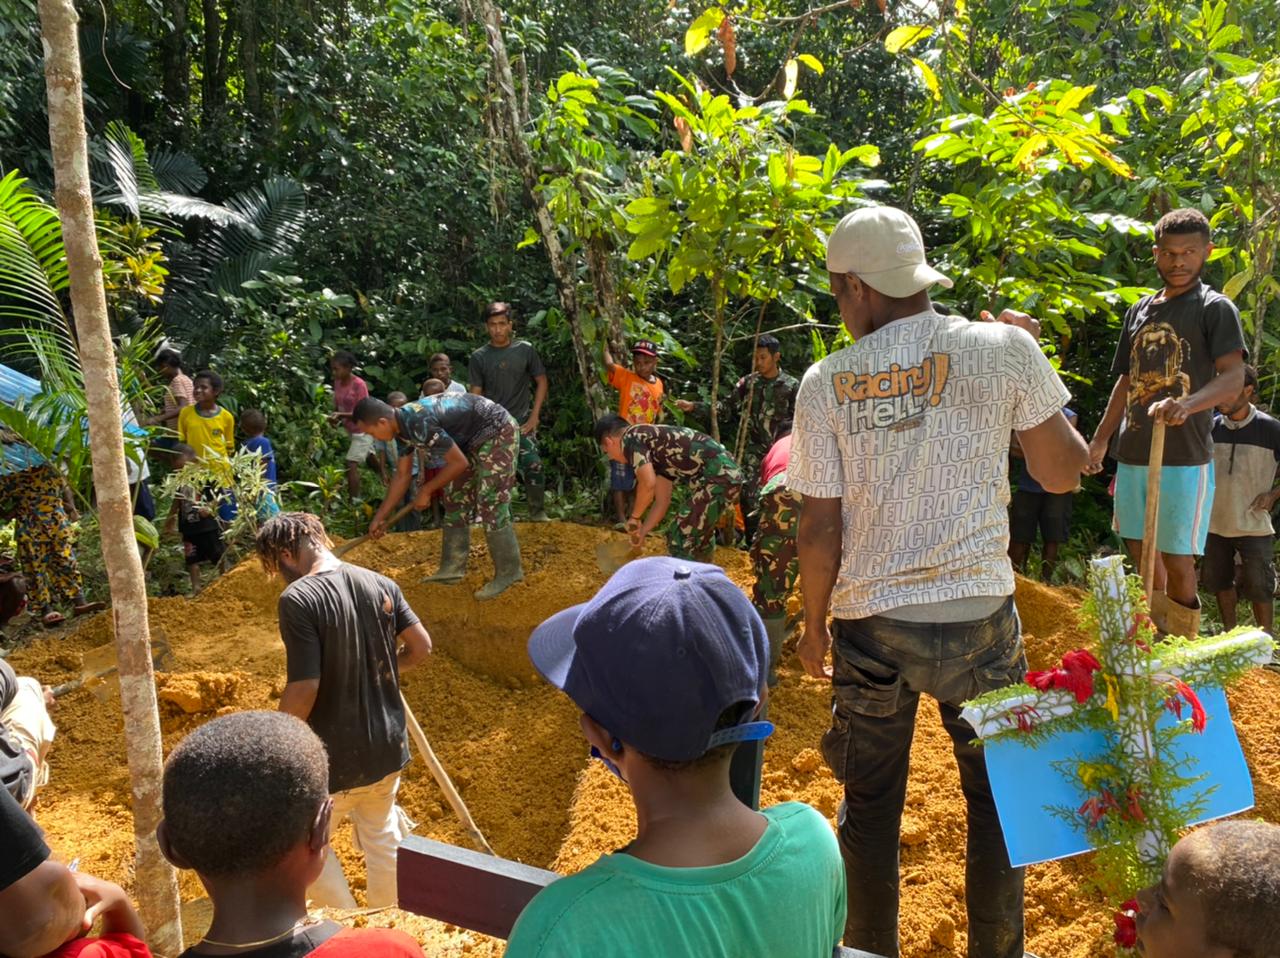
(286, 533)
(243, 790)
(1234, 867)
(1183, 221)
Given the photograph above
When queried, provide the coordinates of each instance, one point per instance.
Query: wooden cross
(1131, 667)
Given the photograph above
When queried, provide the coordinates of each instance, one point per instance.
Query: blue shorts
(622, 478)
(1186, 497)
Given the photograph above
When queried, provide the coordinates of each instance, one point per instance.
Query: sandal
(87, 607)
(51, 620)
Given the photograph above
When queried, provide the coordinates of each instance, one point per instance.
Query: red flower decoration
(1075, 675)
(1135, 808)
(1141, 623)
(1025, 715)
(1126, 935)
(1198, 717)
(1095, 808)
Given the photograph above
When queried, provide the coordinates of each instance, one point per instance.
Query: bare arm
(1109, 424)
(819, 545)
(608, 358)
(539, 397)
(400, 483)
(1056, 454)
(299, 698)
(107, 900)
(43, 909)
(1223, 387)
(414, 648)
(478, 390)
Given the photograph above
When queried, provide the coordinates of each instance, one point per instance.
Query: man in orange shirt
(639, 402)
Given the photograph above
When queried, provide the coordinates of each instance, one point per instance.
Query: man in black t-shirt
(1181, 352)
(504, 370)
(348, 633)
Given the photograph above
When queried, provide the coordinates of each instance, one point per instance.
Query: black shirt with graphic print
(1167, 348)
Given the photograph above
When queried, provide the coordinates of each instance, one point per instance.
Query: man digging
(478, 441)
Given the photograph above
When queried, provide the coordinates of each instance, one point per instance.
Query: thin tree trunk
(610, 309)
(512, 126)
(249, 58)
(155, 881)
(175, 67)
(717, 301)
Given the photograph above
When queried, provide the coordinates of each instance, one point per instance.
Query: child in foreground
(667, 664)
(1219, 896)
(639, 401)
(247, 807)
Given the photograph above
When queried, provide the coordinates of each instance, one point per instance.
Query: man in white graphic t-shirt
(900, 450)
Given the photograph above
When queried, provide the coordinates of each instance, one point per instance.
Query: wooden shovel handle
(359, 540)
(1151, 523)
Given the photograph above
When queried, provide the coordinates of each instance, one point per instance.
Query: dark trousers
(881, 667)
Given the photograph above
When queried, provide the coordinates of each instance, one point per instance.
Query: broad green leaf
(777, 169)
(1073, 98)
(698, 35)
(1225, 37)
(1236, 284)
(1235, 65)
(929, 78)
(812, 62)
(791, 73)
(904, 38)
(530, 237)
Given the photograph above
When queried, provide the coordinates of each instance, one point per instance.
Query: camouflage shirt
(436, 423)
(676, 452)
(772, 401)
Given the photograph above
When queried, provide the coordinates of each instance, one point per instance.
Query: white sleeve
(1037, 390)
(815, 467)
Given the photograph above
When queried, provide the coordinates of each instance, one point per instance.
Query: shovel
(613, 554)
(97, 664)
(360, 540)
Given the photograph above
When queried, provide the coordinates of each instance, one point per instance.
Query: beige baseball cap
(882, 246)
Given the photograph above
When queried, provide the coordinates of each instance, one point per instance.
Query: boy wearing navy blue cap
(668, 664)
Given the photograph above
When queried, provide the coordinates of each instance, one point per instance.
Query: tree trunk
(512, 125)
(156, 883)
(610, 309)
(175, 66)
(249, 58)
(717, 302)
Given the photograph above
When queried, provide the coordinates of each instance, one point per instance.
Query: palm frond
(178, 172)
(129, 167)
(33, 263)
(277, 211)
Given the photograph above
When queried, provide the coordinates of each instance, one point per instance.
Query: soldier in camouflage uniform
(765, 398)
(478, 441)
(773, 550)
(661, 456)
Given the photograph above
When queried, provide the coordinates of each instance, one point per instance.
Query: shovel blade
(613, 554)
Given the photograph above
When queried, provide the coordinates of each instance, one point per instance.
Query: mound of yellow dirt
(513, 746)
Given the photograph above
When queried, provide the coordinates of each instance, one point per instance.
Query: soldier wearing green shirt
(661, 456)
(763, 399)
(508, 371)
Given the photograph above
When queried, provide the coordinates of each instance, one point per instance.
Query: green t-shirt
(506, 376)
(785, 899)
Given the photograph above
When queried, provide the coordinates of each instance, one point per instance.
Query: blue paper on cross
(1030, 776)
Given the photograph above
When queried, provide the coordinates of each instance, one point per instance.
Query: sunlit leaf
(698, 35)
(929, 78)
(790, 74)
(904, 38)
(812, 62)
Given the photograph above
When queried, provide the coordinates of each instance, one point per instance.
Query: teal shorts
(1186, 497)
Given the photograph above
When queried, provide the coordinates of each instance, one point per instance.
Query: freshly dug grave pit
(513, 747)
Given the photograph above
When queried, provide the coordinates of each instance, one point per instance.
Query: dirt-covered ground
(513, 748)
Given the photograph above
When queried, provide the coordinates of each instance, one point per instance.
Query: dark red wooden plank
(465, 888)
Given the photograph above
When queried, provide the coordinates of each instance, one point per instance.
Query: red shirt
(776, 459)
(106, 946)
(346, 395)
(369, 943)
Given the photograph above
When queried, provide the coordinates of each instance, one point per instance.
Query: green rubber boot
(504, 549)
(535, 493)
(776, 629)
(455, 547)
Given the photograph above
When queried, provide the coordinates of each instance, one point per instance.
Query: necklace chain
(257, 944)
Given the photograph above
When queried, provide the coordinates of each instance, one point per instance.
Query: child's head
(432, 387)
(376, 418)
(206, 387)
(440, 368)
(182, 453)
(253, 422)
(644, 358)
(245, 795)
(667, 664)
(396, 399)
(342, 363)
(1219, 896)
(168, 363)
